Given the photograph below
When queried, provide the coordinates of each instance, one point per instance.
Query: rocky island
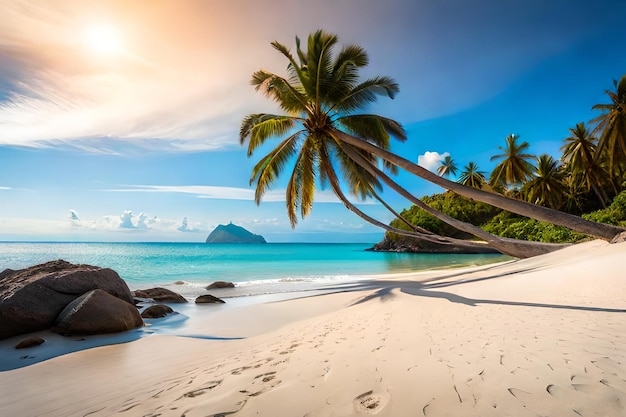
(231, 233)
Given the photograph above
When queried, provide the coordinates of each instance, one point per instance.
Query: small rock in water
(179, 282)
(220, 284)
(28, 342)
(161, 295)
(207, 298)
(156, 311)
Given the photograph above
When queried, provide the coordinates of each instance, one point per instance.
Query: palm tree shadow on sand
(384, 291)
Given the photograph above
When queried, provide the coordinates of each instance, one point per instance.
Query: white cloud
(431, 160)
(126, 220)
(186, 228)
(177, 81)
(229, 193)
(5, 188)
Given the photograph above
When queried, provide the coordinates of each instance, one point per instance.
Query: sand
(545, 336)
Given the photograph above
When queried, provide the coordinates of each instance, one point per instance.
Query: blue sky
(119, 120)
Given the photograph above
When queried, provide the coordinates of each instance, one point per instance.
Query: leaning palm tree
(548, 186)
(447, 167)
(321, 97)
(472, 177)
(515, 168)
(578, 153)
(611, 127)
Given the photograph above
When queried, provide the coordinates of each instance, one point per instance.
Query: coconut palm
(578, 153)
(548, 186)
(447, 167)
(515, 168)
(472, 177)
(321, 97)
(611, 127)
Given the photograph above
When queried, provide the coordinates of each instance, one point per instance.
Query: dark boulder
(31, 299)
(28, 342)
(208, 299)
(97, 312)
(220, 284)
(161, 295)
(156, 311)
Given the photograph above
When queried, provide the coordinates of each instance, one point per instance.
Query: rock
(416, 245)
(162, 295)
(28, 342)
(156, 311)
(233, 234)
(208, 299)
(31, 299)
(97, 312)
(220, 284)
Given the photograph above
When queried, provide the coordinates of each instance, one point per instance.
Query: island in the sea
(231, 233)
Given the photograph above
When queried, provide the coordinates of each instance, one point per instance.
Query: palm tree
(548, 186)
(447, 167)
(578, 153)
(515, 168)
(320, 98)
(472, 177)
(611, 127)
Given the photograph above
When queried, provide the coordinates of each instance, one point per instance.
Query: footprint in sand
(370, 402)
(202, 390)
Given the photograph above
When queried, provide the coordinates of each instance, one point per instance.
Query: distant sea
(255, 268)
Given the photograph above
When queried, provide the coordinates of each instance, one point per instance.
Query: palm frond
(365, 93)
(373, 128)
(288, 97)
(261, 126)
(308, 168)
(267, 170)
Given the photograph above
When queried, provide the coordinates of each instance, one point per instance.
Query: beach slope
(541, 336)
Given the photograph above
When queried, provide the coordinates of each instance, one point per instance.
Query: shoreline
(544, 335)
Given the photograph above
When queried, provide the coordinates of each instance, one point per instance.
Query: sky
(119, 119)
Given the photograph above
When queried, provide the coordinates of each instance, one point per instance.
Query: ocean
(188, 268)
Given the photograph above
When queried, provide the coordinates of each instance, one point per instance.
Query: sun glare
(102, 40)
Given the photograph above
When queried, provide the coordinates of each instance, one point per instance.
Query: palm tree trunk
(512, 247)
(599, 230)
(429, 236)
(400, 217)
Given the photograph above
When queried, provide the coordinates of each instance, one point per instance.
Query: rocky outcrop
(31, 299)
(97, 312)
(208, 299)
(156, 311)
(233, 234)
(414, 245)
(220, 284)
(160, 295)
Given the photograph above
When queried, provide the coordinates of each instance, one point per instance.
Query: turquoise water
(272, 267)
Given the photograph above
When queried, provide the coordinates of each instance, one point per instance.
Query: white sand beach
(545, 336)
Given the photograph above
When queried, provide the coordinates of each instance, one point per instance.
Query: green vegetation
(583, 181)
(503, 223)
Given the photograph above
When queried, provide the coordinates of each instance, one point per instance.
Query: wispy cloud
(228, 193)
(181, 74)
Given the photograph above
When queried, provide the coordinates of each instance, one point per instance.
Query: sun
(102, 40)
